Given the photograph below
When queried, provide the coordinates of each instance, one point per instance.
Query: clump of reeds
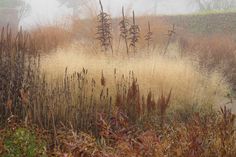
(19, 70)
(104, 29)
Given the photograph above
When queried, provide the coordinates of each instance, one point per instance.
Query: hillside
(216, 23)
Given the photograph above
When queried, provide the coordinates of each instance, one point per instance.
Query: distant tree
(75, 5)
(15, 10)
(208, 5)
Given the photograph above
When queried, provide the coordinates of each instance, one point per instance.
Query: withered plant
(149, 36)
(134, 34)
(104, 29)
(124, 30)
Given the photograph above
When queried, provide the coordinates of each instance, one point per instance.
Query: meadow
(130, 86)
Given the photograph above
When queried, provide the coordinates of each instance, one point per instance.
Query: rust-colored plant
(162, 104)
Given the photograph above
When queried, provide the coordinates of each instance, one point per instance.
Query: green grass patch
(23, 142)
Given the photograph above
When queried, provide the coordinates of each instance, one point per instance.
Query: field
(131, 86)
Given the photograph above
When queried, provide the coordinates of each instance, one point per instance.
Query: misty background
(30, 13)
(47, 11)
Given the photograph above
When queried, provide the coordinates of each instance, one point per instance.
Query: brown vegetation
(48, 38)
(147, 105)
(212, 52)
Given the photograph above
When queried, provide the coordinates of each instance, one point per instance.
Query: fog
(150, 6)
(46, 11)
(43, 11)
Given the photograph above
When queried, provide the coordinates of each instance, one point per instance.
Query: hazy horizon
(46, 11)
